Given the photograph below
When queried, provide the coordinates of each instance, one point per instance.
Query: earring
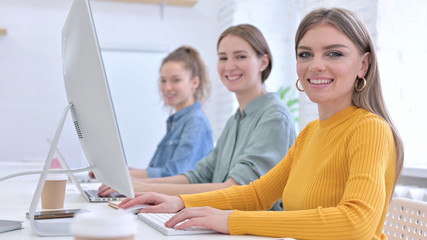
(356, 85)
(299, 89)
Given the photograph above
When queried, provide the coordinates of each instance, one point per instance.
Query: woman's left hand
(207, 217)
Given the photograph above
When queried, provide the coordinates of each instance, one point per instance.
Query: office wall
(32, 94)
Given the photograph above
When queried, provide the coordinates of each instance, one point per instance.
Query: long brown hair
(191, 60)
(254, 37)
(371, 98)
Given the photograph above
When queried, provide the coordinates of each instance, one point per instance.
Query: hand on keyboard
(207, 217)
(160, 203)
(157, 221)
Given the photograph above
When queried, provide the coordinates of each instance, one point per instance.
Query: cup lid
(103, 223)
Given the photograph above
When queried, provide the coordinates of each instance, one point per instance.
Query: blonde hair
(191, 60)
(371, 98)
(254, 37)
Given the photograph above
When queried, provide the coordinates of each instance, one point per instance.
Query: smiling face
(328, 64)
(177, 86)
(239, 67)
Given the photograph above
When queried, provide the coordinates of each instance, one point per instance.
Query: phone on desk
(50, 214)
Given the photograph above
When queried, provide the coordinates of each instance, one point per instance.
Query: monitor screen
(92, 107)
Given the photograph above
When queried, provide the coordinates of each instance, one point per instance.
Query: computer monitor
(92, 112)
(92, 107)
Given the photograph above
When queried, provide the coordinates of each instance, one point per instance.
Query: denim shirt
(188, 139)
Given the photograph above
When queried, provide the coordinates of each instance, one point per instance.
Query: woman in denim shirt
(183, 83)
(254, 139)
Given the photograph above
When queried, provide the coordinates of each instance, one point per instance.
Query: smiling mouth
(320, 81)
(233, 78)
(168, 96)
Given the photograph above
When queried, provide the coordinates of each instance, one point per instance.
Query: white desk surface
(18, 192)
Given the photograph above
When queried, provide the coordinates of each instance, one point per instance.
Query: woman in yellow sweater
(337, 180)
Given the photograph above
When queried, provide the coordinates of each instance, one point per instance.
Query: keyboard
(92, 195)
(157, 221)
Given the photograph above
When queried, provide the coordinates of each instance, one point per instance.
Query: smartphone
(50, 214)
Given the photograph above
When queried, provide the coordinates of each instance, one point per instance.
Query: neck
(245, 99)
(184, 105)
(327, 111)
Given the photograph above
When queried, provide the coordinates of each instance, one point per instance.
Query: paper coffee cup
(103, 224)
(53, 194)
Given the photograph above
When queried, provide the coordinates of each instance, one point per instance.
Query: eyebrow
(235, 52)
(327, 47)
(336, 46)
(173, 76)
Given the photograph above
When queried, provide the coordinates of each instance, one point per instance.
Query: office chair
(406, 219)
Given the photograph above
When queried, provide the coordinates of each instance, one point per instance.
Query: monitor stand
(52, 227)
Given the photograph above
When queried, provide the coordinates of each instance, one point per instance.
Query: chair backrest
(406, 219)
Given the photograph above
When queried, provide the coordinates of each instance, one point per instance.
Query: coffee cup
(106, 224)
(53, 193)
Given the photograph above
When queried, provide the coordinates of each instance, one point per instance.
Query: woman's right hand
(160, 203)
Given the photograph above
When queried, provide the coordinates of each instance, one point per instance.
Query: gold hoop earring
(356, 84)
(299, 89)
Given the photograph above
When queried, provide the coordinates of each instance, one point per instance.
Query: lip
(169, 95)
(320, 80)
(233, 77)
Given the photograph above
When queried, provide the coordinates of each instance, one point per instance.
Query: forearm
(176, 189)
(178, 179)
(138, 173)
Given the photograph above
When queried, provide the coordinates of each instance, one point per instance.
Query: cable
(49, 172)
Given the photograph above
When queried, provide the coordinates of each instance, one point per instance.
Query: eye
(175, 80)
(222, 58)
(240, 56)
(304, 55)
(335, 54)
(163, 81)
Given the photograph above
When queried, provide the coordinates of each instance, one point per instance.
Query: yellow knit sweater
(335, 182)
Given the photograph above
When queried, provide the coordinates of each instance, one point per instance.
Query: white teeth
(232, 78)
(320, 81)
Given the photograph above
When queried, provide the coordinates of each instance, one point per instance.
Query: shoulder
(364, 118)
(275, 107)
(366, 124)
(196, 115)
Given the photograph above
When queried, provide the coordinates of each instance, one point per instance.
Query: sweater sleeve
(258, 195)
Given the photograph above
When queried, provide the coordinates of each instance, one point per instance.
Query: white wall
(32, 94)
(402, 51)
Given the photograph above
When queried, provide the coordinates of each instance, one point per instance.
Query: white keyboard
(157, 221)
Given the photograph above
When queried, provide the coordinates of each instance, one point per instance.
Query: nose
(230, 65)
(166, 86)
(317, 64)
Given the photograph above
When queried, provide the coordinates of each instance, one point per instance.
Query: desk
(16, 202)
